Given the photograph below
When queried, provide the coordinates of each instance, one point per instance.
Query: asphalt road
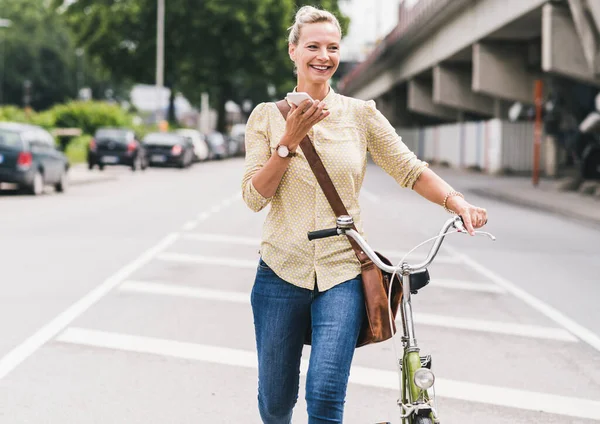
(127, 301)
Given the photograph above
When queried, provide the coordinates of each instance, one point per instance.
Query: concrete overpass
(456, 60)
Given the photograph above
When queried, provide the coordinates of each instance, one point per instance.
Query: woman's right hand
(301, 119)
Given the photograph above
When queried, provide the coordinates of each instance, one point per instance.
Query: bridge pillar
(420, 100)
(452, 88)
(500, 70)
(562, 51)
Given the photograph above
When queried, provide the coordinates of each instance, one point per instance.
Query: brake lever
(460, 227)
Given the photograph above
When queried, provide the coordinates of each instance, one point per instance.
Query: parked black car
(116, 146)
(217, 145)
(29, 157)
(169, 149)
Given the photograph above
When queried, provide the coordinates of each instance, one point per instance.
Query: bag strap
(325, 182)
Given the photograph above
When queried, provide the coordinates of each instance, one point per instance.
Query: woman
(315, 286)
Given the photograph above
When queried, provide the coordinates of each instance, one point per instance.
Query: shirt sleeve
(258, 152)
(388, 150)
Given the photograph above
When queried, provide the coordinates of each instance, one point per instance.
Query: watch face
(283, 151)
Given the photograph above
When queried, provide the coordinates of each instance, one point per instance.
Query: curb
(514, 200)
(84, 181)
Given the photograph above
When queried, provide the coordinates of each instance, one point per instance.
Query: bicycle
(417, 404)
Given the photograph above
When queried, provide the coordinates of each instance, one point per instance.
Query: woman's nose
(323, 54)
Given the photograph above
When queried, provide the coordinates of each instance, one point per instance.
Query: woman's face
(317, 55)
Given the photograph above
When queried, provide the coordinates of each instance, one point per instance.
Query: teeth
(321, 68)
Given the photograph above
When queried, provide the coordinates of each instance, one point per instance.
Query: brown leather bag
(376, 328)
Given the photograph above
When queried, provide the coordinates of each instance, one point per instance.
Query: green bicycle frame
(411, 361)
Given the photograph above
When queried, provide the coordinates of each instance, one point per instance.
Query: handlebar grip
(319, 234)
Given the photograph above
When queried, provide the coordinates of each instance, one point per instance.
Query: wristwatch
(284, 151)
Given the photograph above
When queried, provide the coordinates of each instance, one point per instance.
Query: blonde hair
(310, 15)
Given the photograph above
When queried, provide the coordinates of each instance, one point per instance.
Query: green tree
(39, 48)
(232, 49)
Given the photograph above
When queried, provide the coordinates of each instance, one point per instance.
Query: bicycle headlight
(424, 378)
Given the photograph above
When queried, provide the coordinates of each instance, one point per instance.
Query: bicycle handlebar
(345, 224)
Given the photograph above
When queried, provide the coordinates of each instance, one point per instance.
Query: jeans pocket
(263, 266)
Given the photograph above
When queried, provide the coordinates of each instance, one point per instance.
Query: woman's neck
(316, 91)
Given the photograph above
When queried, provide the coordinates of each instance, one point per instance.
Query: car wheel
(37, 186)
(61, 186)
(101, 167)
(137, 164)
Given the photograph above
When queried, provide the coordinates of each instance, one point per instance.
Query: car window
(119, 136)
(216, 139)
(163, 138)
(45, 139)
(10, 140)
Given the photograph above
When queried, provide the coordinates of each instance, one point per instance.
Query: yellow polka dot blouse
(342, 140)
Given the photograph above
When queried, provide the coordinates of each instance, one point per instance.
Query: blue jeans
(282, 315)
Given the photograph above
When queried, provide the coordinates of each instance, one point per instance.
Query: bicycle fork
(415, 399)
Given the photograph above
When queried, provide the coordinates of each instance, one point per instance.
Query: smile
(320, 68)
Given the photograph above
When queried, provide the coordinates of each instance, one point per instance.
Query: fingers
(311, 113)
(474, 218)
(467, 220)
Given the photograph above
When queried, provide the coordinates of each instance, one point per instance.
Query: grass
(77, 149)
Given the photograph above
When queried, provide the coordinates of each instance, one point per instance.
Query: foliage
(12, 113)
(89, 116)
(38, 47)
(231, 49)
(76, 150)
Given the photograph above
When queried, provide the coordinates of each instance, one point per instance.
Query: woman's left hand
(474, 217)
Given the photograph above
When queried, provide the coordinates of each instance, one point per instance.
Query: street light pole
(160, 55)
(4, 23)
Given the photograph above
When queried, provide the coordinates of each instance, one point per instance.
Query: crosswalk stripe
(183, 291)
(207, 260)
(465, 285)
(513, 329)
(471, 392)
(222, 238)
(253, 241)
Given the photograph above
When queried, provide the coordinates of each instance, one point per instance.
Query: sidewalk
(79, 174)
(520, 191)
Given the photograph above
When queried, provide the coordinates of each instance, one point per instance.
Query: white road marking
(12, 359)
(512, 329)
(465, 285)
(184, 291)
(471, 392)
(207, 260)
(395, 256)
(190, 225)
(223, 238)
(370, 196)
(203, 216)
(255, 241)
(576, 329)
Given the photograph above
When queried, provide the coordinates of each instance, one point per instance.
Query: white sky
(370, 20)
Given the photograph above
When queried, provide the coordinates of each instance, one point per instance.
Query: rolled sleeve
(258, 153)
(388, 150)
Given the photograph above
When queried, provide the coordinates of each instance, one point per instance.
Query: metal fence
(493, 146)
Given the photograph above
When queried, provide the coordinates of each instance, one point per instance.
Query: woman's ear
(292, 51)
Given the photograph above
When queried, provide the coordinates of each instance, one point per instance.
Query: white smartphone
(298, 97)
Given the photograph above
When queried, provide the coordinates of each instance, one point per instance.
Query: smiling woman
(315, 288)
